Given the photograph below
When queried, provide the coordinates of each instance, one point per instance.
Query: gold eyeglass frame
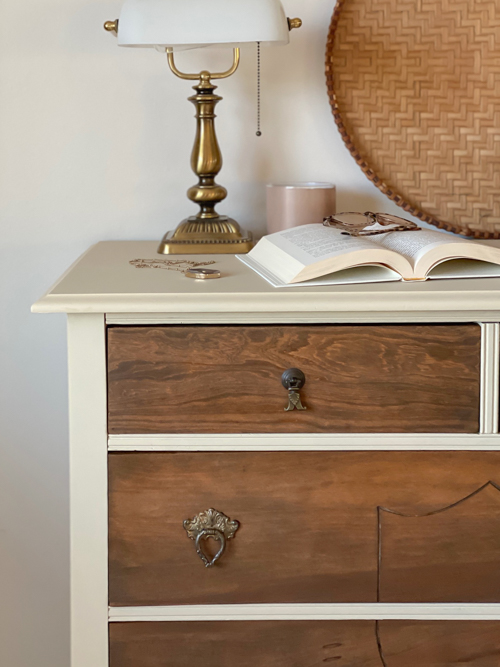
(360, 229)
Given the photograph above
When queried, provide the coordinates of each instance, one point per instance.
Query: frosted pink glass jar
(298, 204)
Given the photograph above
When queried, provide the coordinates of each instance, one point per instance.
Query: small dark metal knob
(293, 379)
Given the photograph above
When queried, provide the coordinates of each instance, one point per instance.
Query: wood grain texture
(227, 379)
(309, 527)
(439, 644)
(469, 528)
(305, 644)
(247, 644)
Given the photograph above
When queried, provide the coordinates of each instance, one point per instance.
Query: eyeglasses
(363, 224)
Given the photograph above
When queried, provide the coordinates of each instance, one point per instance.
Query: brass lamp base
(204, 237)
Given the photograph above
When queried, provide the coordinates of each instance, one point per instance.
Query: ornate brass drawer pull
(210, 524)
(293, 379)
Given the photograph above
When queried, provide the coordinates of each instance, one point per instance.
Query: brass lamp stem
(206, 159)
(207, 232)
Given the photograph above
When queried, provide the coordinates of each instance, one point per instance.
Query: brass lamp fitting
(111, 26)
(294, 23)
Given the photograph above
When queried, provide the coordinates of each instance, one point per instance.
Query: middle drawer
(313, 527)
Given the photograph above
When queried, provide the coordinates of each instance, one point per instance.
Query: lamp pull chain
(258, 133)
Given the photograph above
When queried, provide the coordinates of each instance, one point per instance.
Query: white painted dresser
(368, 529)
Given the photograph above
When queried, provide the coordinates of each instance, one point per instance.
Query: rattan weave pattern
(415, 92)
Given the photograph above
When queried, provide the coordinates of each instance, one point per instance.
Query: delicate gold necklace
(180, 265)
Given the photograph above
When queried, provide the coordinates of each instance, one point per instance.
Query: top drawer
(359, 379)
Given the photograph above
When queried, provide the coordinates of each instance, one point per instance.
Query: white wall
(94, 144)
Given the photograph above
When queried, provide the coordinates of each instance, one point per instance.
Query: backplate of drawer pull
(210, 525)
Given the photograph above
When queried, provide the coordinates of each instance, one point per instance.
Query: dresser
(279, 478)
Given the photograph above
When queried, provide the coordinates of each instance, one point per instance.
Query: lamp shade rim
(181, 24)
(207, 45)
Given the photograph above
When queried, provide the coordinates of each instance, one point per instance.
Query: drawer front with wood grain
(228, 379)
(311, 527)
(305, 644)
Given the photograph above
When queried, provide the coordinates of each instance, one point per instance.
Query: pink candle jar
(298, 204)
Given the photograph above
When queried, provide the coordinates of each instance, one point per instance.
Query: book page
(310, 251)
(317, 242)
(464, 268)
(307, 252)
(426, 249)
(356, 275)
(415, 244)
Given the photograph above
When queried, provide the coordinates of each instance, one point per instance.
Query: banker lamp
(175, 25)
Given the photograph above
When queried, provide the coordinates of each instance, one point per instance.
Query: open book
(318, 255)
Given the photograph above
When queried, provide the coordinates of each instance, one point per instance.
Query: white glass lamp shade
(188, 24)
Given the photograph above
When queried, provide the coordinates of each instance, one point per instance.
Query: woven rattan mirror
(414, 88)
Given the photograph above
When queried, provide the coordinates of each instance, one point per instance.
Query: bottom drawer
(305, 644)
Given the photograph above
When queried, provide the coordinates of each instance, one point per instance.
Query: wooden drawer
(305, 644)
(312, 526)
(227, 379)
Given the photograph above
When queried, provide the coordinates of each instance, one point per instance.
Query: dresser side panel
(88, 490)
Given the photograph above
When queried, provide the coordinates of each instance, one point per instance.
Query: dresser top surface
(108, 278)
